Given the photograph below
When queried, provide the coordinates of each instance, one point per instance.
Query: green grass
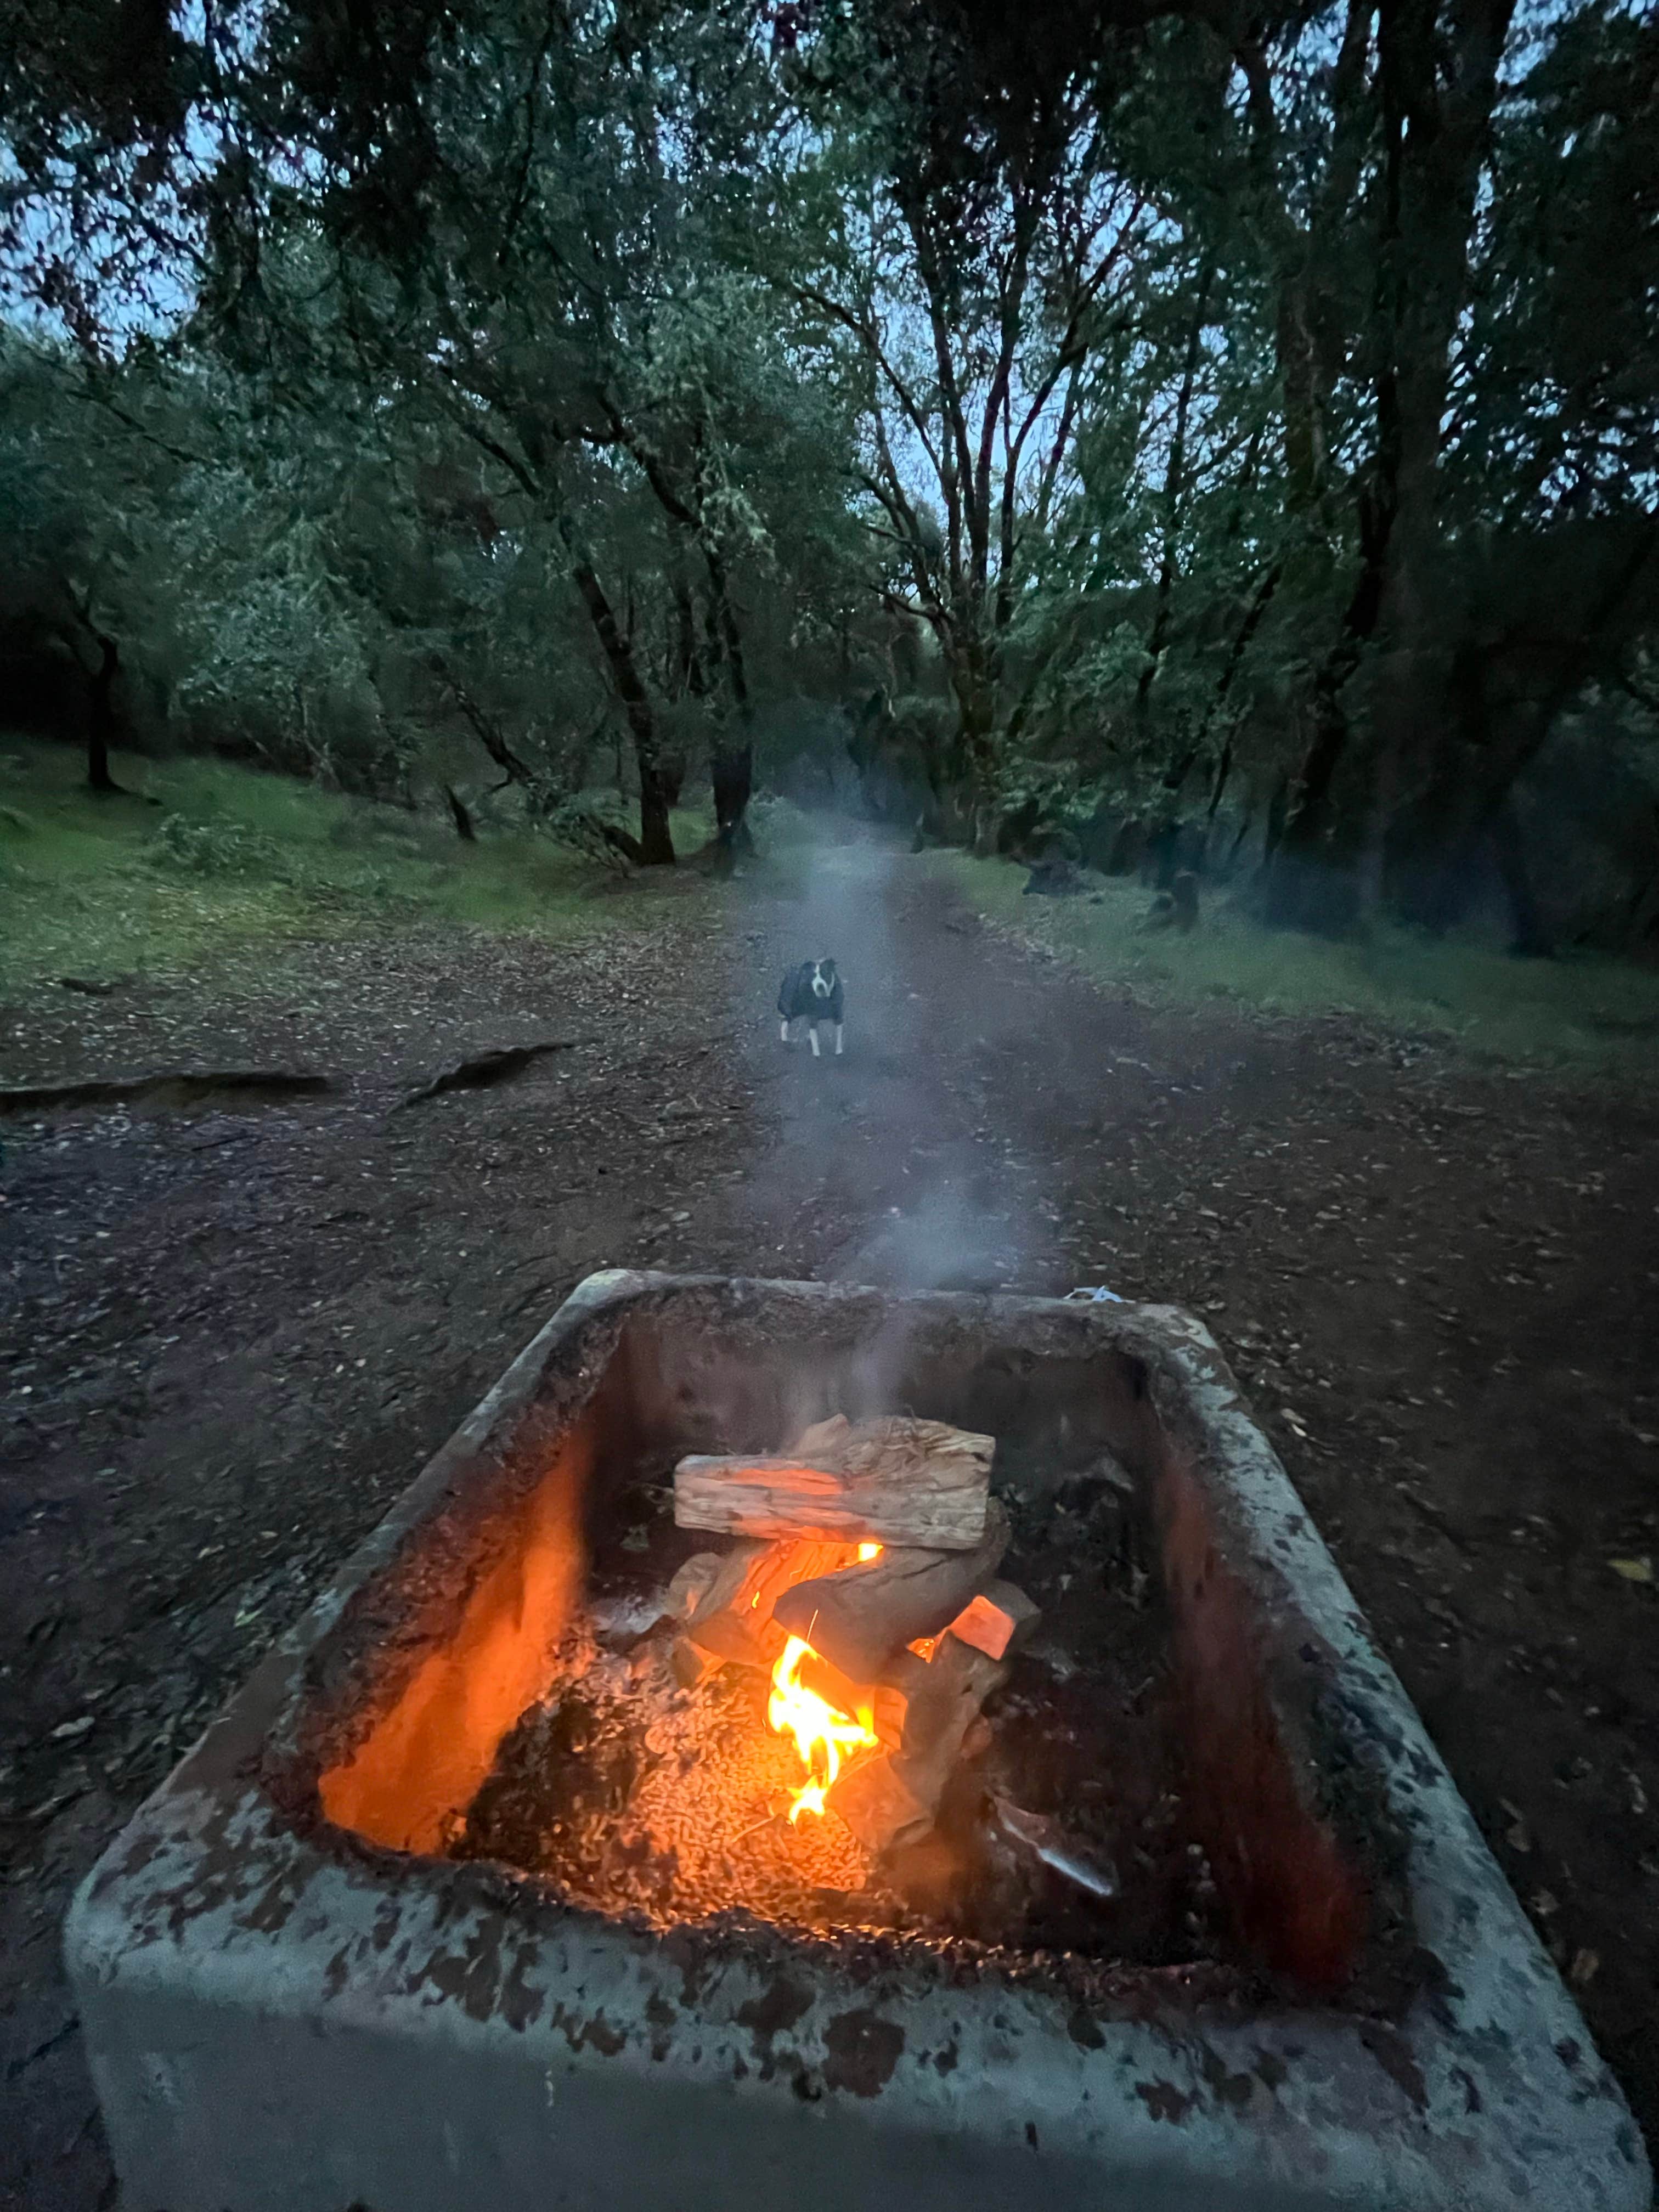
(230, 861)
(230, 858)
(1572, 1009)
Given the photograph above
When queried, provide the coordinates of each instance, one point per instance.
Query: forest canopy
(1187, 435)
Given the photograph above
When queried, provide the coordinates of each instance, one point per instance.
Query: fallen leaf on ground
(1633, 1570)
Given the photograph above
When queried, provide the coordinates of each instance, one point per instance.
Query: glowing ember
(869, 1551)
(821, 1733)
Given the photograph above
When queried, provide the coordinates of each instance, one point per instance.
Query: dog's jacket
(811, 993)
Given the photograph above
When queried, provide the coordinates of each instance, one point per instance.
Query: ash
(637, 1796)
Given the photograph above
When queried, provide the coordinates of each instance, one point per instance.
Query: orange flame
(869, 1551)
(821, 1733)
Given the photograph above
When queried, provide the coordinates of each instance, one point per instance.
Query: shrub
(213, 848)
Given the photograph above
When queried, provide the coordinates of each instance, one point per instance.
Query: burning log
(728, 1600)
(999, 1619)
(900, 1679)
(916, 1483)
(892, 1799)
(711, 1581)
(879, 1807)
(945, 1705)
(859, 1618)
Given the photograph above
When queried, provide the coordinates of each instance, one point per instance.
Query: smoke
(886, 1166)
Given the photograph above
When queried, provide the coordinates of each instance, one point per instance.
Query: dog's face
(823, 979)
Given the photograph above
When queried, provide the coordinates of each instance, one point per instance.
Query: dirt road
(231, 1337)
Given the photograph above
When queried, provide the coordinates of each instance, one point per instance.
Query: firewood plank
(921, 1484)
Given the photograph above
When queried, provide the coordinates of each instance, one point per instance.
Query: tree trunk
(656, 842)
(1223, 768)
(100, 716)
(974, 681)
(1278, 806)
(1368, 898)
(1642, 919)
(1297, 855)
(688, 677)
(1531, 940)
(1439, 841)
(1174, 485)
(731, 770)
(656, 831)
(1437, 75)
(732, 760)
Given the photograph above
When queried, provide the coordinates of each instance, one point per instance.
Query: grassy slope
(98, 888)
(1550, 1012)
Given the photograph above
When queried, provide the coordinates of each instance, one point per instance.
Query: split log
(861, 1617)
(900, 1681)
(727, 1600)
(819, 1437)
(878, 1805)
(916, 1483)
(727, 1636)
(944, 1706)
(892, 1799)
(710, 1580)
(999, 1620)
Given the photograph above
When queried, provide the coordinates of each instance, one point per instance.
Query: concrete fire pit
(294, 2001)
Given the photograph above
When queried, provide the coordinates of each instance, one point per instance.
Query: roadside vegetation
(207, 861)
(1585, 1011)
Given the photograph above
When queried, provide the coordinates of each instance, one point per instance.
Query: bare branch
(868, 336)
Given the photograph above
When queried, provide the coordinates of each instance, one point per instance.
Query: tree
(953, 270)
(84, 504)
(534, 299)
(1254, 407)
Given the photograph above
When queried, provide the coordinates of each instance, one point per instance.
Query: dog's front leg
(783, 1032)
(840, 1033)
(812, 1031)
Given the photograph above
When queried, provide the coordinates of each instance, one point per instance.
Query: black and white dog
(812, 993)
